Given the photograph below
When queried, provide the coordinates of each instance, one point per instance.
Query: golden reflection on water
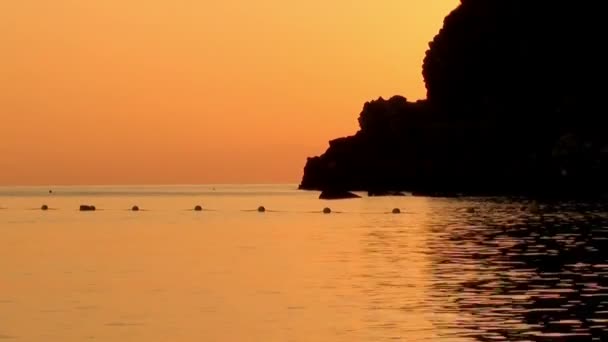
(436, 272)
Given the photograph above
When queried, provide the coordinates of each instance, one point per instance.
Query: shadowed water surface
(443, 270)
(520, 276)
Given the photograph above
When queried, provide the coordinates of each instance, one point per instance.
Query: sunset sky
(196, 91)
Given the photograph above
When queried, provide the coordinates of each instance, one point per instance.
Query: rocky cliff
(515, 106)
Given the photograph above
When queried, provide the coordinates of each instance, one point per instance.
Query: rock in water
(326, 211)
(261, 209)
(336, 195)
(87, 208)
(198, 208)
(44, 207)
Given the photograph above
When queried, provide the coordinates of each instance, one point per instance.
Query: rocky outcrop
(337, 195)
(514, 107)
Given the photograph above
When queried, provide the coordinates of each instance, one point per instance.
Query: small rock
(337, 194)
(261, 209)
(326, 211)
(198, 208)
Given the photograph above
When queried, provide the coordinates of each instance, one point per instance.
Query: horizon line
(144, 185)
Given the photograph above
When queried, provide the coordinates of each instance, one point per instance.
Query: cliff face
(526, 57)
(515, 106)
(376, 157)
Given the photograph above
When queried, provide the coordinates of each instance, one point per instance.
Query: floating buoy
(326, 211)
(261, 209)
(198, 208)
(44, 207)
(135, 208)
(87, 208)
(396, 211)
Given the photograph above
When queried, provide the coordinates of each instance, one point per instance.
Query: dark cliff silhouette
(515, 106)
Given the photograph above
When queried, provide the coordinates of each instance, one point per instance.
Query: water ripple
(521, 276)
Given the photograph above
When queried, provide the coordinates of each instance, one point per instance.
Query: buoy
(44, 207)
(396, 211)
(326, 211)
(135, 208)
(261, 209)
(198, 208)
(87, 208)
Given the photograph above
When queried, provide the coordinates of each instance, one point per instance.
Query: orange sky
(196, 91)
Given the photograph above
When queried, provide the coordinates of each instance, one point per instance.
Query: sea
(443, 269)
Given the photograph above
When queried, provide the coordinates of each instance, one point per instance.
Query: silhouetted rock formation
(515, 107)
(337, 195)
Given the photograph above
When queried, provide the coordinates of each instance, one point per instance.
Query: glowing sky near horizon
(184, 91)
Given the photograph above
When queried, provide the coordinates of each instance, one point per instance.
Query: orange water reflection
(436, 272)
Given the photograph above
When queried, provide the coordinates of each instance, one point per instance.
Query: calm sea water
(439, 271)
